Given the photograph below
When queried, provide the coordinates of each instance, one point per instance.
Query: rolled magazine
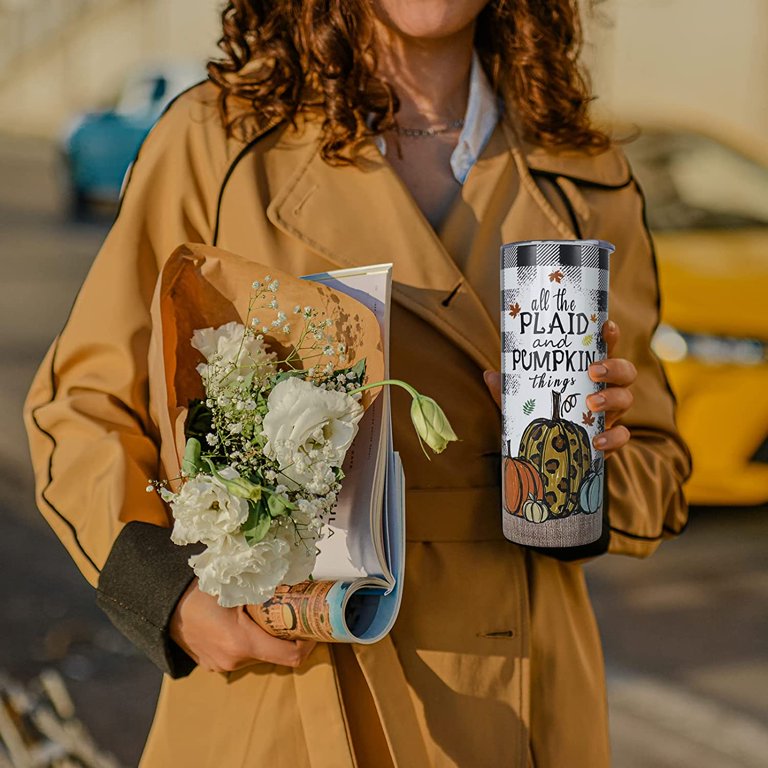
(356, 586)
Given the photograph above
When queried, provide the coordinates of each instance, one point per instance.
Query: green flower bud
(429, 420)
(242, 488)
(191, 464)
(431, 423)
(238, 486)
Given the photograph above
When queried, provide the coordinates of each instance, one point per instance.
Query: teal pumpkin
(591, 492)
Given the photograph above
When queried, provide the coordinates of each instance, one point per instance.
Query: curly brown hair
(283, 56)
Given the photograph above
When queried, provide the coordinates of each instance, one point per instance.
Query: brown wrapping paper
(201, 286)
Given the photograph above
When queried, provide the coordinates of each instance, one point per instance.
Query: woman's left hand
(615, 400)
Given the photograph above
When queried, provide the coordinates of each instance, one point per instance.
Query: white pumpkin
(535, 511)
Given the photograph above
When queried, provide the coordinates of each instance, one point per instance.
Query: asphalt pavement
(685, 632)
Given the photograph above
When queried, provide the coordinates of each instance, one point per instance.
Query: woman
(352, 132)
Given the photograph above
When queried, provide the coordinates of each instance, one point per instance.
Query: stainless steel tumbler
(554, 301)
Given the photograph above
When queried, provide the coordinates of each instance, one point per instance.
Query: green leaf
(257, 525)
(279, 505)
(528, 406)
(358, 369)
(283, 375)
(258, 440)
(587, 340)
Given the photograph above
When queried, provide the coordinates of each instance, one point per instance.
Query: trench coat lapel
(355, 216)
(607, 170)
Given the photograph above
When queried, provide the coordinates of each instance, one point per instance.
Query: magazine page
(351, 543)
(375, 613)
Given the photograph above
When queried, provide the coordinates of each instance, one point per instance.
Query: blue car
(99, 146)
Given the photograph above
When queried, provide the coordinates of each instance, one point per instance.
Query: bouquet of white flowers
(265, 442)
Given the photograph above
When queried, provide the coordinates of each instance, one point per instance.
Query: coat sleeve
(92, 442)
(645, 479)
(644, 502)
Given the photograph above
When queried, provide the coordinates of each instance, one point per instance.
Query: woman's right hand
(226, 639)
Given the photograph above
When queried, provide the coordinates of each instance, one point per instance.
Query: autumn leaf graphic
(556, 276)
(593, 318)
(587, 418)
(528, 406)
(514, 309)
(587, 340)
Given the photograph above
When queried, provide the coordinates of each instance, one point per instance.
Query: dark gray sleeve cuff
(139, 588)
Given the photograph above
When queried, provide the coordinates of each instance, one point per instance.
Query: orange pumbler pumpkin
(521, 481)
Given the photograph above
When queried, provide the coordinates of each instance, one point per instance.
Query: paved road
(43, 598)
(686, 643)
(685, 632)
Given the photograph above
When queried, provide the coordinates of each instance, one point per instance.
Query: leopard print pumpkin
(560, 450)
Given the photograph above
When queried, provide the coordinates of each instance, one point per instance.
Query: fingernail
(611, 326)
(600, 442)
(597, 401)
(599, 370)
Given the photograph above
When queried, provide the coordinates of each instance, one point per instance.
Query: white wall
(85, 63)
(697, 61)
(700, 61)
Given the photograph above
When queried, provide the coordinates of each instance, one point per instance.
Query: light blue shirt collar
(479, 123)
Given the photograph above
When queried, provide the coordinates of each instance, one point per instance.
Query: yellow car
(707, 206)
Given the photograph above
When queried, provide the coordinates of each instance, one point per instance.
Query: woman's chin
(428, 19)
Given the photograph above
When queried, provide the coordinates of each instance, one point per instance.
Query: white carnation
(301, 563)
(240, 574)
(309, 431)
(229, 348)
(204, 511)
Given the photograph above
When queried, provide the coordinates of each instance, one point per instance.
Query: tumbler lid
(603, 244)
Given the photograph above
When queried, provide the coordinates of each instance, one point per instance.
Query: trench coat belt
(453, 514)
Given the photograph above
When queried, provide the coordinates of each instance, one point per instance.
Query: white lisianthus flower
(302, 534)
(205, 511)
(229, 348)
(302, 418)
(240, 574)
(302, 558)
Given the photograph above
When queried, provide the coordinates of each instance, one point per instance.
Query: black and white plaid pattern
(585, 266)
(590, 256)
(519, 262)
(555, 253)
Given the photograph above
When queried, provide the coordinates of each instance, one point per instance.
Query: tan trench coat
(495, 659)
